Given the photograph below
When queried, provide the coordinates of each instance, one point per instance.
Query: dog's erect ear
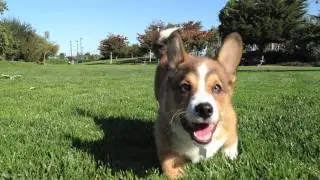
(230, 54)
(174, 46)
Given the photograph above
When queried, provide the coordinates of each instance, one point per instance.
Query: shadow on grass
(127, 145)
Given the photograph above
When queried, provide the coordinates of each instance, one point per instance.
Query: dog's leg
(231, 148)
(171, 162)
(172, 165)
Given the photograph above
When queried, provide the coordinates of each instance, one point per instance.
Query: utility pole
(71, 48)
(81, 47)
(81, 50)
(72, 62)
(46, 36)
(77, 51)
(77, 47)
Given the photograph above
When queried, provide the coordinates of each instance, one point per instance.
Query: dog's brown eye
(184, 88)
(216, 88)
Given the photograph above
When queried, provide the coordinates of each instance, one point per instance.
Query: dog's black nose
(204, 110)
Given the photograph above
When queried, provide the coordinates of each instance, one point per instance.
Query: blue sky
(92, 20)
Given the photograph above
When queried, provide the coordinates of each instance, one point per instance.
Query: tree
(62, 55)
(148, 39)
(262, 22)
(32, 48)
(307, 38)
(112, 44)
(4, 35)
(20, 41)
(133, 50)
(3, 6)
(4, 41)
(214, 42)
(88, 56)
(48, 49)
(22, 35)
(194, 37)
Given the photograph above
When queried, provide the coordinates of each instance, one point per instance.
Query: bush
(294, 57)
(301, 58)
(57, 61)
(295, 63)
(314, 50)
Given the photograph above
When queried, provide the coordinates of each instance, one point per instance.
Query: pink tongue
(203, 132)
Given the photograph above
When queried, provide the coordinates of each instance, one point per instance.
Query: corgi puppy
(196, 117)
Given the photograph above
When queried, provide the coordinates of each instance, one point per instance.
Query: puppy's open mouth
(199, 132)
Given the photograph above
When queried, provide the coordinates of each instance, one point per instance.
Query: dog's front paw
(231, 151)
(173, 173)
(172, 166)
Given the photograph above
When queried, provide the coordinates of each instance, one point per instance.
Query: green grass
(87, 122)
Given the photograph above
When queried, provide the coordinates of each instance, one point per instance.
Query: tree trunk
(44, 59)
(110, 57)
(262, 47)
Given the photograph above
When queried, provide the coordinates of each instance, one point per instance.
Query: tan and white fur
(196, 117)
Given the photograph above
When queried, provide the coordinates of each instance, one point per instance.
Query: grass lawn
(95, 122)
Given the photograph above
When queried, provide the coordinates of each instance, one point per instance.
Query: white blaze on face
(202, 96)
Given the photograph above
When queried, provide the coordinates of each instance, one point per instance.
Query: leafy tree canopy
(263, 21)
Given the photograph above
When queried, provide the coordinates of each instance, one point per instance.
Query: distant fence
(135, 60)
